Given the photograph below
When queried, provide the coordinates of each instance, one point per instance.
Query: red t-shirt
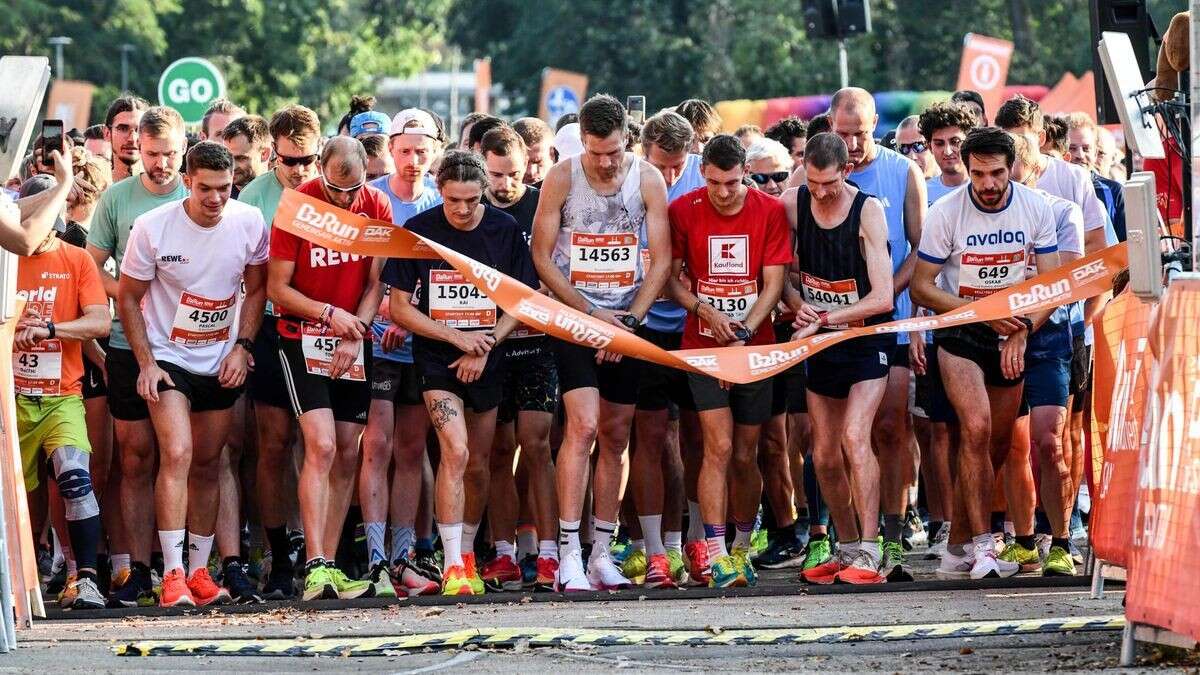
(725, 255)
(321, 274)
(1168, 185)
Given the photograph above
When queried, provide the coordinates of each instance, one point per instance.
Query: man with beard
(248, 140)
(121, 131)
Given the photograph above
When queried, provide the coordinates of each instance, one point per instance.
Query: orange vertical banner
(483, 85)
(984, 68)
(71, 102)
(22, 556)
(563, 92)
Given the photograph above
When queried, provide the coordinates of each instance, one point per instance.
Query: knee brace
(70, 466)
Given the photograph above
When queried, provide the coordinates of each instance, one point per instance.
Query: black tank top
(833, 271)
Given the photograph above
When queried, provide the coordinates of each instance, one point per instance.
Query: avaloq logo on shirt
(729, 255)
(997, 237)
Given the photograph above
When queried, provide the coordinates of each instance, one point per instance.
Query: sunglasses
(295, 161)
(343, 190)
(763, 178)
(914, 148)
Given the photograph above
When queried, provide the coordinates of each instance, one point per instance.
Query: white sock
(547, 548)
(568, 537)
(451, 544)
(638, 545)
(673, 541)
(171, 542)
(983, 540)
(505, 548)
(652, 533)
(468, 537)
(376, 532)
(849, 547)
(198, 549)
(120, 561)
(602, 534)
(695, 522)
(741, 537)
(527, 541)
(871, 548)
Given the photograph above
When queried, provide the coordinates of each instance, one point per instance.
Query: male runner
(845, 281)
(65, 306)
(593, 213)
(398, 422)
(249, 141)
(325, 300)
(181, 276)
(976, 242)
(295, 132)
(899, 185)
(914, 145)
(538, 137)
(121, 122)
(161, 146)
(736, 246)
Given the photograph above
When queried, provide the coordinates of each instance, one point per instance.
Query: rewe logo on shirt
(181, 259)
(729, 255)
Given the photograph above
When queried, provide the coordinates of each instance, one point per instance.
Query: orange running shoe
(863, 569)
(204, 590)
(501, 574)
(826, 572)
(547, 574)
(175, 591)
(696, 553)
(658, 572)
(455, 582)
(472, 571)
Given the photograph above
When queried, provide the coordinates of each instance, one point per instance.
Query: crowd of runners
(212, 409)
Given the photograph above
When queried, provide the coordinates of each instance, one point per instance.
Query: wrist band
(50, 329)
(326, 314)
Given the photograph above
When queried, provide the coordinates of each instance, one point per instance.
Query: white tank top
(598, 243)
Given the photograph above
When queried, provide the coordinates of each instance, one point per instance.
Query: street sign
(562, 93)
(189, 85)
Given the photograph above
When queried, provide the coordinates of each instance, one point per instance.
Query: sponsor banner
(1123, 363)
(563, 93)
(71, 102)
(1163, 587)
(334, 228)
(984, 67)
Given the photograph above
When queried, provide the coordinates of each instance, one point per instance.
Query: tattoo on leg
(440, 412)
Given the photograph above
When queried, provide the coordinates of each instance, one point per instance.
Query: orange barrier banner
(18, 534)
(1123, 363)
(1164, 572)
(337, 229)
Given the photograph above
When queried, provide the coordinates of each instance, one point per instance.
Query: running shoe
(862, 569)
(620, 549)
(914, 531)
(826, 572)
(137, 590)
(937, 545)
(296, 539)
(58, 581)
(412, 579)
(547, 574)
(319, 584)
(678, 568)
(529, 570)
(955, 566)
(635, 566)
(204, 590)
(380, 579)
(175, 591)
(87, 595)
(987, 565)
(455, 582)
(1076, 554)
(280, 584)
(658, 572)
(571, 576)
(240, 588)
(758, 542)
(998, 542)
(119, 578)
(502, 574)
(1025, 558)
(742, 555)
(604, 575)
(727, 572)
(347, 588)
(1042, 543)
(67, 594)
(428, 565)
(468, 560)
(820, 551)
(1058, 563)
(696, 553)
(781, 554)
(892, 565)
(45, 564)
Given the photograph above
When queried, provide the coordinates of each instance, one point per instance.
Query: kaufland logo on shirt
(729, 255)
(997, 237)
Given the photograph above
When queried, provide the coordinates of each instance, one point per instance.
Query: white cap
(414, 121)
(567, 141)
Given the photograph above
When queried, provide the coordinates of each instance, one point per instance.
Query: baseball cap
(37, 184)
(413, 121)
(567, 141)
(369, 122)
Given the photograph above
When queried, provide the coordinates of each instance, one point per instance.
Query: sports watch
(630, 321)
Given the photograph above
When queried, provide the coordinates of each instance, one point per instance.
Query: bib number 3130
(318, 349)
(732, 300)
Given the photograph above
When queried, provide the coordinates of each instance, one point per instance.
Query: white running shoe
(571, 577)
(955, 566)
(604, 574)
(988, 565)
(1042, 543)
(998, 542)
(937, 547)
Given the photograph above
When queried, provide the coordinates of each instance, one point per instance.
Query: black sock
(156, 562)
(1025, 541)
(893, 527)
(1064, 543)
(817, 537)
(232, 560)
(998, 522)
(935, 526)
(1041, 524)
(86, 574)
(85, 537)
(315, 563)
(281, 547)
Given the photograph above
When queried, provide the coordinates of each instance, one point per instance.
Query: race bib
(38, 371)
(603, 261)
(830, 295)
(732, 300)
(318, 348)
(200, 321)
(981, 274)
(458, 303)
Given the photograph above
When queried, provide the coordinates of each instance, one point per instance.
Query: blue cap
(369, 122)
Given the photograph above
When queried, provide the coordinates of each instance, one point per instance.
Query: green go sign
(189, 85)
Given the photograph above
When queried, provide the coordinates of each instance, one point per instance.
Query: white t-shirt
(983, 252)
(195, 276)
(1074, 184)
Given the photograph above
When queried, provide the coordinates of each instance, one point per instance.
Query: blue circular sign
(561, 101)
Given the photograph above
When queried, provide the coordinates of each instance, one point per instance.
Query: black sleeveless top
(833, 271)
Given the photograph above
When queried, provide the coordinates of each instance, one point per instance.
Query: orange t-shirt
(58, 284)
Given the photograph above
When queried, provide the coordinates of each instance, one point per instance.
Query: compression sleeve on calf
(70, 466)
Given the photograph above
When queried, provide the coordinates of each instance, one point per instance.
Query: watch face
(629, 320)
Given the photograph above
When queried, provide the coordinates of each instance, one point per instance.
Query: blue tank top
(886, 179)
(666, 316)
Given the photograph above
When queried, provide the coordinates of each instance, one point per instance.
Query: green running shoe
(634, 567)
(1027, 558)
(819, 552)
(727, 572)
(742, 555)
(758, 543)
(347, 588)
(381, 581)
(892, 566)
(1058, 563)
(319, 584)
(677, 566)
